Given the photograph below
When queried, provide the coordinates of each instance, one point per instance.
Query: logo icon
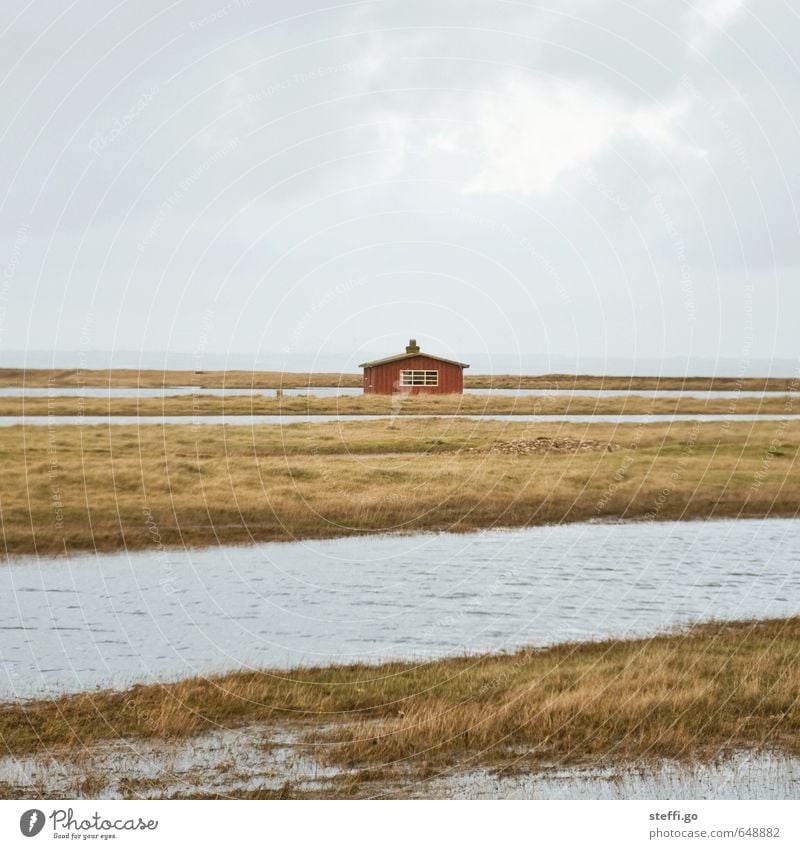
(31, 822)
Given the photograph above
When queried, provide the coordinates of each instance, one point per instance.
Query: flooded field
(109, 620)
(274, 761)
(744, 775)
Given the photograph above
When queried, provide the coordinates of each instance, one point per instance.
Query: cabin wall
(385, 379)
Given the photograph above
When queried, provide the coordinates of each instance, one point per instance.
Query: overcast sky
(595, 181)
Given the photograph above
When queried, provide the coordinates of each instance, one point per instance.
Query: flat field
(273, 379)
(69, 488)
(412, 405)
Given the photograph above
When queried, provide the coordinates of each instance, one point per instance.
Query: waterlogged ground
(743, 775)
(273, 761)
(110, 620)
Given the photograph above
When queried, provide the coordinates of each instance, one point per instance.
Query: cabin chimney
(412, 347)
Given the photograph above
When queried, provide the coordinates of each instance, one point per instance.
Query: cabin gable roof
(408, 356)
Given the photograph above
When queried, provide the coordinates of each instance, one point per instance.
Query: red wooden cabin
(414, 373)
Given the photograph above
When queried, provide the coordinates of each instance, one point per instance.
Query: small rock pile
(545, 445)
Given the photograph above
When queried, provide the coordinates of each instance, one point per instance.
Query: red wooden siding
(384, 379)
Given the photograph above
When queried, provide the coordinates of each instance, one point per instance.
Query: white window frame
(419, 377)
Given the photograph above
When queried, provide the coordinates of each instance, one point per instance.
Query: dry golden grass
(156, 377)
(616, 382)
(183, 405)
(113, 487)
(715, 688)
(290, 380)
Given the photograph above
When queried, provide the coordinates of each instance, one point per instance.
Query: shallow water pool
(113, 619)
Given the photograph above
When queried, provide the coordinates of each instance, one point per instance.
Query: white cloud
(532, 134)
(707, 19)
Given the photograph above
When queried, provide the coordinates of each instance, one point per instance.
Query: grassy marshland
(294, 380)
(715, 688)
(152, 378)
(188, 405)
(113, 487)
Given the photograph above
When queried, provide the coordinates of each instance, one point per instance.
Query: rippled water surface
(112, 619)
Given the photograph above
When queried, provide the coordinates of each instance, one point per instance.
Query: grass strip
(692, 695)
